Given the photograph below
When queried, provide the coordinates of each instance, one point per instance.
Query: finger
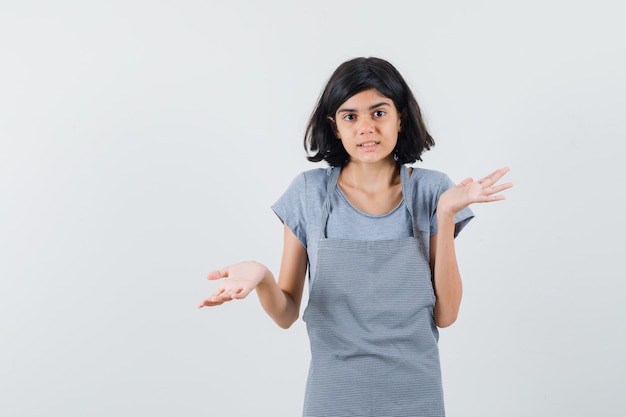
(241, 294)
(219, 297)
(220, 273)
(494, 189)
(493, 177)
(499, 173)
(501, 187)
(231, 292)
(489, 199)
(209, 303)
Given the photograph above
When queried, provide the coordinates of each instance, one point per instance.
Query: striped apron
(370, 322)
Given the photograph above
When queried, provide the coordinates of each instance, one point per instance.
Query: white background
(142, 143)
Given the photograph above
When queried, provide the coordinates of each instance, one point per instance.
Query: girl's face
(367, 125)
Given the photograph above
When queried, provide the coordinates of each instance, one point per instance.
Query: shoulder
(307, 187)
(316, 175)
(430, 180)
(300, 205)
(428, 185)
(312, 179)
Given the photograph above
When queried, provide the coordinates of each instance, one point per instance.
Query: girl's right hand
(240, 280)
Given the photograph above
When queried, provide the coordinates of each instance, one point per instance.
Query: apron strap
(330, 188)
(407, 195)
(407, 192)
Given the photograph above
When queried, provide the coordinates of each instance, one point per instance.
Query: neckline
(370, 215)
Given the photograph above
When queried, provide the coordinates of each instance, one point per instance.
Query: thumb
(465, 182)
(220, 273)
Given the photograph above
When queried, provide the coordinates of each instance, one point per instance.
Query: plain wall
(143, 142)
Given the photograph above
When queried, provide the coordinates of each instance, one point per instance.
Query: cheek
(342, 131)
(393, 130)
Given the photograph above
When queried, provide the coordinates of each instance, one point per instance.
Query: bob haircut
(350, 78)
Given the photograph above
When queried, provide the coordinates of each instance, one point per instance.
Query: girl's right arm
(281, 300)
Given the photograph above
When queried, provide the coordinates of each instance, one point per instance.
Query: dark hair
(350, 78)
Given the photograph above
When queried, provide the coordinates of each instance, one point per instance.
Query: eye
(379, 113)
(348, 117)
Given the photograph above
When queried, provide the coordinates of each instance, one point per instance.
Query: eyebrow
(382, 103)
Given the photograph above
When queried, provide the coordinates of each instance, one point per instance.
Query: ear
(401, 116)
(333, 125)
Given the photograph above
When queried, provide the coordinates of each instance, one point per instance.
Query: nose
(366, 126)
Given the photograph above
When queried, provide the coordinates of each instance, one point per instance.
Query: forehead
(365, 99)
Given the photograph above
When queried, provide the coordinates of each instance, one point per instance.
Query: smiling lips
(368, 144)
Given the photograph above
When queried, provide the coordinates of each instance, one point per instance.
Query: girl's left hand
(469, 191)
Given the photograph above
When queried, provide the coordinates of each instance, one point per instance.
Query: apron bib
(371, 330)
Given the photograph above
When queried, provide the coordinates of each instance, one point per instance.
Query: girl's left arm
(446, 276)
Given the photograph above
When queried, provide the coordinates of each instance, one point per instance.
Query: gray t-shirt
(300, 208)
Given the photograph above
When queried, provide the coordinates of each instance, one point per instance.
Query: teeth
(368, 144)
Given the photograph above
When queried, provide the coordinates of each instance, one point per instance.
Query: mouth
(368, 144)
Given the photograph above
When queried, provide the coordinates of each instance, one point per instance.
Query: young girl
(377, 239)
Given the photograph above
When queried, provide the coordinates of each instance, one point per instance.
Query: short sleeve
(291, 208)
(461, 219)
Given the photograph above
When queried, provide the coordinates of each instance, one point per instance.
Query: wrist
(445, 216)
(263, 273)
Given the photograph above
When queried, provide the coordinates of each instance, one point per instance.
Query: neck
(370, 177)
